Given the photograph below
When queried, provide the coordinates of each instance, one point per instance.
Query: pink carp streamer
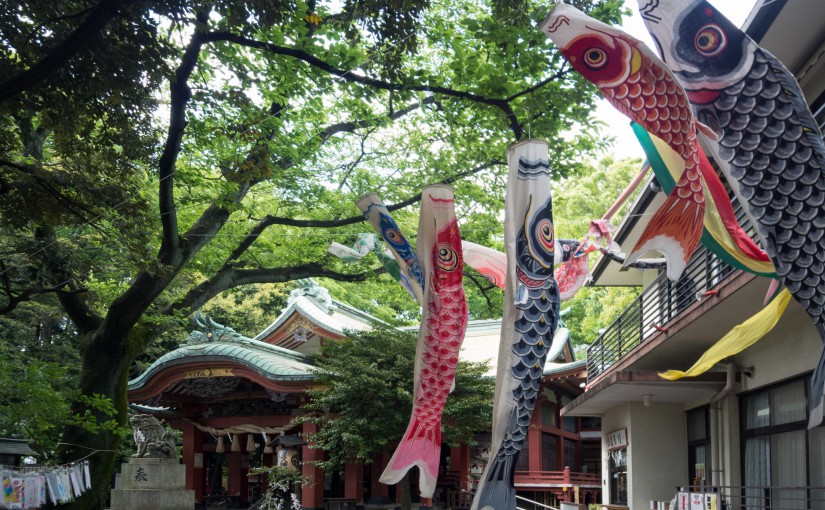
(638, 84)
(443, 324)
(571, 260)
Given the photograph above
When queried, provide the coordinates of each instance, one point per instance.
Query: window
(591, 457)
(549, 452)
(778, 452)
(548, 416)
(523, 460)
(699, 467)
(569, 424)
(618, 477)
(570, 448)
(590, 422)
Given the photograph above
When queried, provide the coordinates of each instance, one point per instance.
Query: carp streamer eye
(544, 231)
(447, 257)
(395, 237)
(595, 58)
(710, 40)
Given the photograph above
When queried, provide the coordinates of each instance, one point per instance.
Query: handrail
(759, 497)
(658, 305)
(536, 503)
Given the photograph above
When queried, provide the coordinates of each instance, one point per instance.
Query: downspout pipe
(717, 427)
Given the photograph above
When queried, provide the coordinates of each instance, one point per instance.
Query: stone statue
(151, 439)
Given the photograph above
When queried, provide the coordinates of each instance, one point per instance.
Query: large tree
(154, 155)
(380, 363)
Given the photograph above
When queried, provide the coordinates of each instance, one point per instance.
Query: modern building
(234, 399)
(737, 432)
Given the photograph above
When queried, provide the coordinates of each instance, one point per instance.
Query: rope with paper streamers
(219, 433)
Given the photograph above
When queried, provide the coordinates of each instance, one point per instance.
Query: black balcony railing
(659, 304)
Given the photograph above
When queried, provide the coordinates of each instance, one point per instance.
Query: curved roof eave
(271, 362)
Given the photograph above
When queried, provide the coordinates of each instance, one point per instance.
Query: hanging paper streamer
(443, 323)
(376, 213)
(531, 312)
(638, 84)
(764, 139)
(33, 487)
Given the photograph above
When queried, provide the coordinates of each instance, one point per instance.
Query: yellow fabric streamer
(738, 339)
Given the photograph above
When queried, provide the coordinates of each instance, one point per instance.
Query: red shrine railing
(557, 479)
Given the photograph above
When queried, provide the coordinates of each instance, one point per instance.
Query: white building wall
(657, 434)
(656, 451)
(790, 349)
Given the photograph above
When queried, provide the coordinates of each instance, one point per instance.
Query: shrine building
(234, 398)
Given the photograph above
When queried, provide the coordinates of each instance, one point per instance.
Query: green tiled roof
(15, 447)
(218, 343)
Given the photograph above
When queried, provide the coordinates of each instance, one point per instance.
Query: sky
(626, 145)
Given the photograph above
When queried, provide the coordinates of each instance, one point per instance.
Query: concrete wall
(656, 452)
(790, 349)
(657, 434)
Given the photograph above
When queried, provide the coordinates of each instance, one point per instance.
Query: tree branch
(230, 277)
(483, 290)
(565, 70)
(26, 294)
(270, 220)
(57, 58)
(180, 96)
(77, 309)
(350, 76)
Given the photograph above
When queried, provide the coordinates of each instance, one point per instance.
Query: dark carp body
(767, 143)
(535, 314)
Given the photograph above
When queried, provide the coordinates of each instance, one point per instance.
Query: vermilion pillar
(233, 466)
(312, 493)
(193, 458)
(460, 465)
(354, 482)
(380, 491)
(534, 441)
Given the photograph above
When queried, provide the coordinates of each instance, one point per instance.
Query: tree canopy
(155, 155)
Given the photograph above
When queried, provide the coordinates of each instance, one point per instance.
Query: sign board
(697, 501)
(208, 373)
(616, 440)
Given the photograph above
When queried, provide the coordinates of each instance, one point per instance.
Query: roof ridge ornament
(313, 291)
(207, 330)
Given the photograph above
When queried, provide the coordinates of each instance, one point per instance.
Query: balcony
(561, 480)
(657, 306)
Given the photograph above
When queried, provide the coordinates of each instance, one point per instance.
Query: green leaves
(380, 364)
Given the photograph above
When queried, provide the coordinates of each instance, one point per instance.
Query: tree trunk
(404, 488)
(105, 373)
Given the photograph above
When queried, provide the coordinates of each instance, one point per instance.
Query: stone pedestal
(152, 484)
